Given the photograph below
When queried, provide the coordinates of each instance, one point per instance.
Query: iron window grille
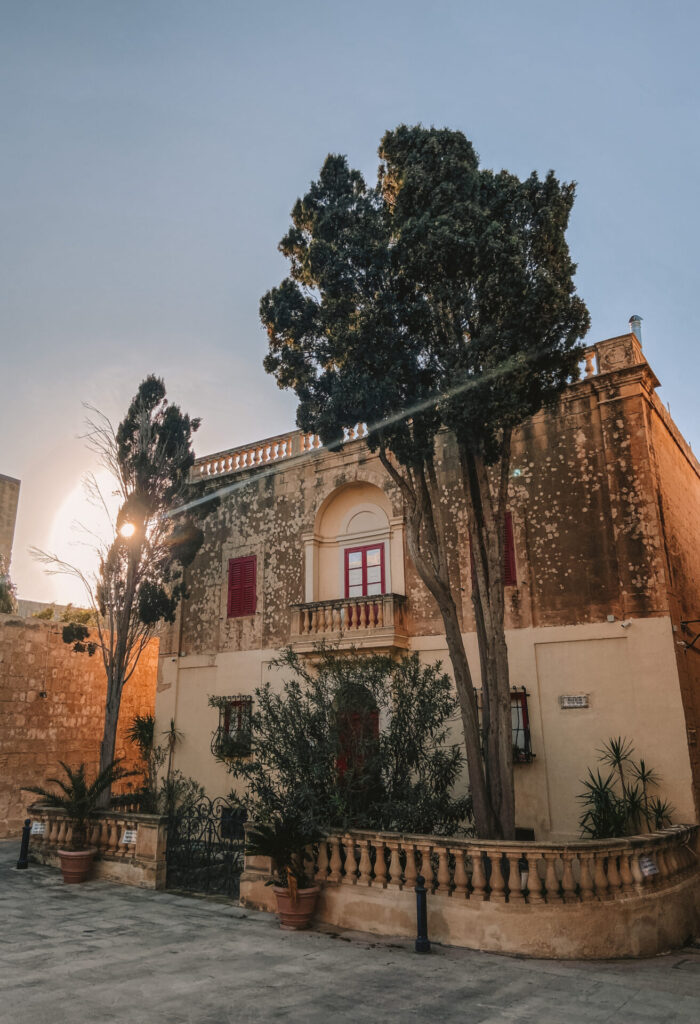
(232, 737)
(520, 725)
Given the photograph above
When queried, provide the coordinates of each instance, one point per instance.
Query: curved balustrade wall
(611, 898)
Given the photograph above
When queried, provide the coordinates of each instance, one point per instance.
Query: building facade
(602, 573)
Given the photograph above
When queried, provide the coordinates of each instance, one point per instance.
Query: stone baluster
(380, 613)
(410, 872)
(365, 863)
(394, 865)
(321, 874)
(535, 883)
(551, 882)
(626, 876)
(113, 837)
(95, 834)
(567, 881)
(478, 875)
(497, 882)
(104, 836)
(426, 866)
(637, 873)
(443, 873)
(122, 849)
(380, 878)
(614, 880)
(586, 880)
(600, 878)
(461, 889)
(515, 890)
(336, 864)
(61, 837)
(666, 861)
(589, 356)
(350, 876)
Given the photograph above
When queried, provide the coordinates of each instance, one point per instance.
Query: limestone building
(9, 498)
(603, 572)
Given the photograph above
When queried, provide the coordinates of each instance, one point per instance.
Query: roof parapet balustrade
(265, 452)
(369, 623)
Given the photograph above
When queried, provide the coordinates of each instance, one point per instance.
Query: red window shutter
(241, 586)
(510, 578)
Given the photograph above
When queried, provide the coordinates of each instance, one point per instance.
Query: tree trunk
(109, 734)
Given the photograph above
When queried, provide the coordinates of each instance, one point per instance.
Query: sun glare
(127, 530)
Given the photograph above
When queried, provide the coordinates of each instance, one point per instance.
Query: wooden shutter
(241, 586)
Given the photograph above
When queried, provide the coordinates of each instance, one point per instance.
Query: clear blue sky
(151, 152)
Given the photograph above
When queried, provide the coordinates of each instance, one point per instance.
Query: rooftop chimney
(636, 327)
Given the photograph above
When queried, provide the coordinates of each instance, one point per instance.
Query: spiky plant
(141, 733)
(78, 797)
(284, 840)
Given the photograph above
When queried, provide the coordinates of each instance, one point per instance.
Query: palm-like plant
(141, 733)
(78, 797)
(284, 841)
(611, 812)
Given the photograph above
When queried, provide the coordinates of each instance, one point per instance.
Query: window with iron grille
(520, 725)
(232, 737)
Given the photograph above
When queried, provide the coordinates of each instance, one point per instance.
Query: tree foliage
(355, 741)
(441, 296)
(140, 580)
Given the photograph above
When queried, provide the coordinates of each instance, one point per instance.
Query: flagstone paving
(100, 953)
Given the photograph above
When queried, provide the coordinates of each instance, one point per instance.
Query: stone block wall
(52, 707)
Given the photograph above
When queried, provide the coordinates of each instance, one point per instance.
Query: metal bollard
(422, 941)
(23, 861)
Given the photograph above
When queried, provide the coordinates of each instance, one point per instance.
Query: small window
(242, 596)
(520, 725)
(233, 735)
(364, 571)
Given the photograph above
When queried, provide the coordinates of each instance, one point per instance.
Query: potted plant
(78, 799)
(284, 841)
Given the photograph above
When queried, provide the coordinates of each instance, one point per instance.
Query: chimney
(636, 327)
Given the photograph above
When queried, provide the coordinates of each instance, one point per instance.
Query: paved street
(104, 953)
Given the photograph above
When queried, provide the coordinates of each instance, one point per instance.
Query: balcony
(368, 623)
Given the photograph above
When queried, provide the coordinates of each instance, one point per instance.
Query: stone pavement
(100, 953)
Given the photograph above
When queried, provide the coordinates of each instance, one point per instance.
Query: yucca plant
(284, 841)
(78, 797)
(609, 812)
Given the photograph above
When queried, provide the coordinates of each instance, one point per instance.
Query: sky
(152, 150)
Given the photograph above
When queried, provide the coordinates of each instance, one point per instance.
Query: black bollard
(23, 861)
(422, 941)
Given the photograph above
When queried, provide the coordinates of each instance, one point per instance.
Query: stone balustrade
(358, 621)
(130, 847)
(600, 899)
(512, 873)
(263, 453)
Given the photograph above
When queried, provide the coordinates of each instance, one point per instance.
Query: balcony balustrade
(363, 622)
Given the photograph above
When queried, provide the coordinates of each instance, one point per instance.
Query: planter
(296, 914)
(76, 864)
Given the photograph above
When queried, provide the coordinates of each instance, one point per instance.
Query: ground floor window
(232, 737)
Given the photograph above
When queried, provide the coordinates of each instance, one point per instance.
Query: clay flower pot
(296, 914)
(76, 865)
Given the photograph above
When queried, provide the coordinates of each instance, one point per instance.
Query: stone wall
(9, 497)
(52, 707)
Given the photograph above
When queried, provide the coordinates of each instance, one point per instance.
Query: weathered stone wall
(52, 707)
(677, 492)
(9, 497)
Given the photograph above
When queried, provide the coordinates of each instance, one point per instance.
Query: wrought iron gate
(205, 848)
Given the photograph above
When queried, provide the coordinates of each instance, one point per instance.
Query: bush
(620, 804)
(355, 741)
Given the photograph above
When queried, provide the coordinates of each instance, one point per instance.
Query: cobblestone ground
(100, 953)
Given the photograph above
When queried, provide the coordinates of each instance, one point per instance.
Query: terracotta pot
(296, 914)
(76, 864)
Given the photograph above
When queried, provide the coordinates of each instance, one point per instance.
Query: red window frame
(242, 588)
(364, 549)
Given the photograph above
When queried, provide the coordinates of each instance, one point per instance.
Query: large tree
(139, 582)
(440, 297)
